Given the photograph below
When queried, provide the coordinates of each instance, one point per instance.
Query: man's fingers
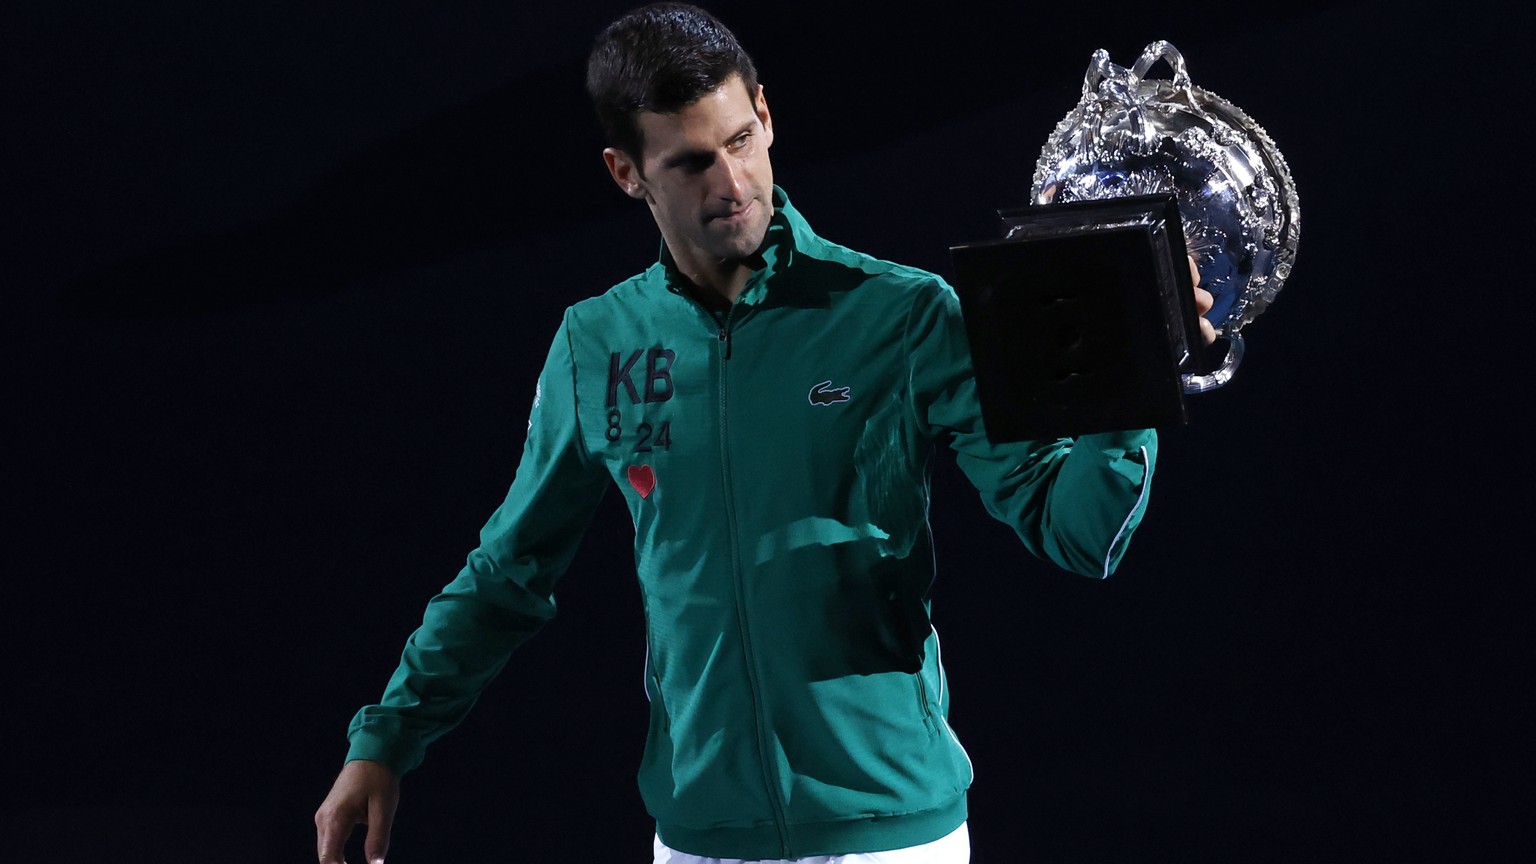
(381, 815)
(1203, 301)
(365, 792)
(331, 832)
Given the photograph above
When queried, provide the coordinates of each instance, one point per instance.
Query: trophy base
(1081, 319)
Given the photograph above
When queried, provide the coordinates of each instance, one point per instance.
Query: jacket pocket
(659, 704)
(925, 705)
(653, 689)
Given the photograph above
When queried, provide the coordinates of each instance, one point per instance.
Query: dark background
(278, 278)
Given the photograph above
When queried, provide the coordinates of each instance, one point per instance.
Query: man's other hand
(365, 793)
(1203, 303)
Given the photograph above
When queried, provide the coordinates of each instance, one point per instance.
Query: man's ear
(624, 172)
(760, 105)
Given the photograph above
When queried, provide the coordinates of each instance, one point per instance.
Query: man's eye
(741, 141)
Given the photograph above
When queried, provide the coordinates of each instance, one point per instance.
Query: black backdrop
(278, 278)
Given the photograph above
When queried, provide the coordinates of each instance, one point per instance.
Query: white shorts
(952, 848)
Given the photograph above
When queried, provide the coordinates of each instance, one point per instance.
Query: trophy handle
(1223, 374)
(1161, 50)
(1100, 68)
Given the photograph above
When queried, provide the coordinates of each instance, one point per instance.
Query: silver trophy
(1131, 136)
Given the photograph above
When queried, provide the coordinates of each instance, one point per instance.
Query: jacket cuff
(382, 739)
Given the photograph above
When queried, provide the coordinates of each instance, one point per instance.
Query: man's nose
(730, 179)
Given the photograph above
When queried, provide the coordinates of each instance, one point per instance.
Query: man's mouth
(734, 217)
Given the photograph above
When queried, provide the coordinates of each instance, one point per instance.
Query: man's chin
(743, 242)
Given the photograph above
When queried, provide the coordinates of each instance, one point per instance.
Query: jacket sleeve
(505, 591)
(1074, 502)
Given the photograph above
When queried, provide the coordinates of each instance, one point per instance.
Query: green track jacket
(774, 461)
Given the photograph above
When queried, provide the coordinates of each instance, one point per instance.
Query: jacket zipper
(738, 580)
(723, 338)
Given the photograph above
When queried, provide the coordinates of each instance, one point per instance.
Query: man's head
(659, 59)
(689, 131)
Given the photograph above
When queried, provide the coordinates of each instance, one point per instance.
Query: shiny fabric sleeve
(1074, 502)
(505, 591)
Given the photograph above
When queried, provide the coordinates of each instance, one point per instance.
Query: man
(766, 402)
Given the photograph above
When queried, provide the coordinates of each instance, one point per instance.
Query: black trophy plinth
(1081, 319)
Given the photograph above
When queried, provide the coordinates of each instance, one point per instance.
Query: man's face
(706, 175)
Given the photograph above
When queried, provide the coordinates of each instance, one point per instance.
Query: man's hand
(1203, 303)
(364, 793)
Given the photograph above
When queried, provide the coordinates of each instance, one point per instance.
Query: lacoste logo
(825, 394)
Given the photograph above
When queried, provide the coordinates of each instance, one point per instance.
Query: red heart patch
(642, 478)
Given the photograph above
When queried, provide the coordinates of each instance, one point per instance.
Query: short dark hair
(659, 58)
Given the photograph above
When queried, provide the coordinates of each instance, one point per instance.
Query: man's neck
(719, 286)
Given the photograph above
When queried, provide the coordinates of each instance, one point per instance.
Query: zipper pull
(725, 339)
